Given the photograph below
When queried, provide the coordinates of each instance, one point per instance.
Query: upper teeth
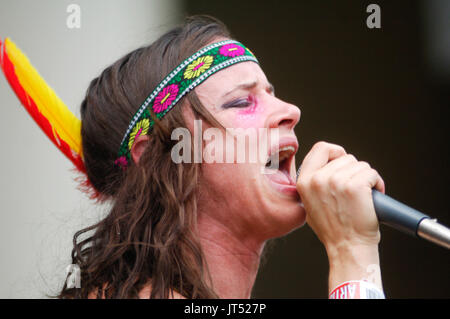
(282, 154)
(287, 148)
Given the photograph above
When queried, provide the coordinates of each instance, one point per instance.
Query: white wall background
(40, 207)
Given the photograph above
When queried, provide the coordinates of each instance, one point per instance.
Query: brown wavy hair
(149, 235)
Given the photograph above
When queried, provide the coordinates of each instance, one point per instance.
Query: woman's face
(259, 201)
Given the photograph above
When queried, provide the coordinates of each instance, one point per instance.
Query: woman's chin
(284, 205)
(284, 218)
(294, 219)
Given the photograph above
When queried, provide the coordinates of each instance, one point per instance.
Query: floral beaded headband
(184, 78)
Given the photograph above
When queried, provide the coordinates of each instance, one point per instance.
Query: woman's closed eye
(239, 103)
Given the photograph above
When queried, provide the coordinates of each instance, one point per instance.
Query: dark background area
(377, 93)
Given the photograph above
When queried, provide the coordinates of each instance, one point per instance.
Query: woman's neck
(232, 260)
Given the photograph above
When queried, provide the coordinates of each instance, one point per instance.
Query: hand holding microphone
(336, 191)
(388, 210)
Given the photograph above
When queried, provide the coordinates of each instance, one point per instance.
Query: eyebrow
(249, 86)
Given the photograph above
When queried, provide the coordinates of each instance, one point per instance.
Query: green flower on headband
(197, 67)
(141, 128)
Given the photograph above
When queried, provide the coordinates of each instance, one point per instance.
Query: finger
(370, 178)
(337, 164)
(380, 186)
(319, 156)
(339, 177)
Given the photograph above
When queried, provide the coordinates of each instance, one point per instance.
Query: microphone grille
(298, 172)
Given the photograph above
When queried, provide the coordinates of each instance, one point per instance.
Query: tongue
(280, 177)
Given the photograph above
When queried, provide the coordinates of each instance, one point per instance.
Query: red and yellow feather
(55, 119)
(45, 107)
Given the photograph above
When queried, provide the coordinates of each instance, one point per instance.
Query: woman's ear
(138, 148)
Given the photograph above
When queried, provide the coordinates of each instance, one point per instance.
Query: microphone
(408, 220)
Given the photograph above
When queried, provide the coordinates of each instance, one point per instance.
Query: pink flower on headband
(165, 98)
(231, 50)
(121, 162)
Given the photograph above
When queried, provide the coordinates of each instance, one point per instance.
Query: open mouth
(279, 163)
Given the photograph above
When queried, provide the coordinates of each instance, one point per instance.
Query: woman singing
(197, 229)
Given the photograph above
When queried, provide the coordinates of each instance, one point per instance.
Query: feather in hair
(60, 125)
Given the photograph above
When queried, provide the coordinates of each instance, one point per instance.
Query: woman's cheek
(251, 116)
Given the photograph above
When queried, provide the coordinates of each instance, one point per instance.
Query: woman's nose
(284, 115)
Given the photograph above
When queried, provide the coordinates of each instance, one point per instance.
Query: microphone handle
(408, 220)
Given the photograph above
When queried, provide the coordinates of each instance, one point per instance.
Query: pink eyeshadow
(248, 116)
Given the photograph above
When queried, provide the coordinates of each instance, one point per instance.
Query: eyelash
(239, 103)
